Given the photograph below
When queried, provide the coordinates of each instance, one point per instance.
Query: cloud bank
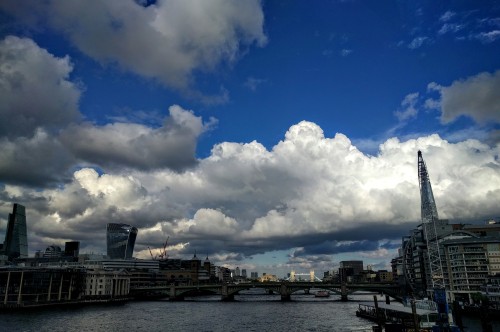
(43, 137)
(244, 200)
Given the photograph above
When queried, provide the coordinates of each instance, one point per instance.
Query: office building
(120, 241)
(72, 249)
(52, 251)
(16, 239)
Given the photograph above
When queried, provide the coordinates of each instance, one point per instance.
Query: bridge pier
(286, 297)
(173, 295)
(225, 295)
(227, 298)
(343, 293)
(285, 293)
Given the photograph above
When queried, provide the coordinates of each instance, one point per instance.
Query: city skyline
(273, 136)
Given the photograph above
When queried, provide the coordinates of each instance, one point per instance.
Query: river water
(253, 311)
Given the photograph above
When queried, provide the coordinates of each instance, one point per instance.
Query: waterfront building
(16, 239)
(101, 283)
(207, 266)
(187, 272)
(254, 275)
(268, 278)
(52, 251)
(490, 228)
(397, 270)
(467, 259)
(120, 241)
(470, 261)
(350, 270)
(415, 256)
(222, 274)
(366, 276)
(122, 264)
(24, 286)
(384, 276)
(457, 258)
(357, 266)
(491, 289)
(142, 272)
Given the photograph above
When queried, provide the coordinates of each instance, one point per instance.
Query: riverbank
(25, 306)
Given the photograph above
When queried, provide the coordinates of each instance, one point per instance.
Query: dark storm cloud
(35, 89)
(42, 140)
(336, 247)
(36, 161)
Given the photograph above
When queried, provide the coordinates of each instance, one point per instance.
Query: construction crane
(151, 253)
(163, 251)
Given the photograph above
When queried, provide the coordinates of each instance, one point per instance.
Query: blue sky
(271, 135)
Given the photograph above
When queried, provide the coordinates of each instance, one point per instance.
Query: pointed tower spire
(427, 202)
(429, 217)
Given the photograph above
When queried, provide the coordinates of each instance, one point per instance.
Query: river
(251, 312)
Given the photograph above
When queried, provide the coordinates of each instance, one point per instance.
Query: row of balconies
(467, 256)
(469, 263)
(470, 277)
(475, 248)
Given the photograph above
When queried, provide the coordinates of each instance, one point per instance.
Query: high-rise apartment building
(16, 238)
(470, 261)
(120, 240)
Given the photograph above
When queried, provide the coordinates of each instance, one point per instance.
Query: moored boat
(425, 315)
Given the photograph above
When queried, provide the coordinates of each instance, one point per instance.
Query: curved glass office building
(121, 241)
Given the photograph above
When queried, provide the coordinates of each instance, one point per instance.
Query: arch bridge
(285, 289)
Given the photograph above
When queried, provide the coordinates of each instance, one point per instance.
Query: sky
(269, 135)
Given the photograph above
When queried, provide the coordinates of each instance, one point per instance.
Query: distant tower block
(429, 217)
(311, 274)
(120, 241)
(292, 276)
(16, 239)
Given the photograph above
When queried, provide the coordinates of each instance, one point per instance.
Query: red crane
(163, 254)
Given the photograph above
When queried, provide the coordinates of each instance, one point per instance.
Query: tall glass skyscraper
(16, 239)
(121, 241)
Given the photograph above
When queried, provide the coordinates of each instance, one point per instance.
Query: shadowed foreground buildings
(60, 277)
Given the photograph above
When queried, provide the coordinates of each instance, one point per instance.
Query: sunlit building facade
(120, 241)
